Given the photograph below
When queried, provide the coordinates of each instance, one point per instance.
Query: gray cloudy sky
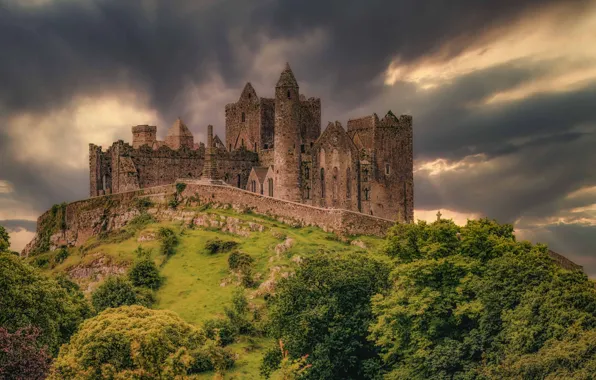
(503, 93)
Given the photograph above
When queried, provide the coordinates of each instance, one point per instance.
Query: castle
(274, 147)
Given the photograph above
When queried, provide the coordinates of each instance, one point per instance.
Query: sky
(502, 94)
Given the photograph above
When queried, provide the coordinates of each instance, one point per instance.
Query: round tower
(286, 141)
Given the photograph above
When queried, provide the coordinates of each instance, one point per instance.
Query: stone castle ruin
(274, 147)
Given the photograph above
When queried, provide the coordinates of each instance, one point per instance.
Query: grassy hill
(199, 284)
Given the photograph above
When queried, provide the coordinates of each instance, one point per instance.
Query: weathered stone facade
(274, 147)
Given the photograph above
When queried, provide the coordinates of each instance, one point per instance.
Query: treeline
(439, 301)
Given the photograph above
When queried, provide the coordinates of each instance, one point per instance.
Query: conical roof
(179, 129)
(287, 79)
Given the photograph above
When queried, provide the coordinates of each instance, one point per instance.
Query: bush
(144, 273)
(42, 262)
(132, 342)
(217, 245)
(22, 356)
(140, 221)
(61, 255)
(239, 260)
(169, 241)
(27, 298)
(114, 292)
(220, 330)
(211, 357)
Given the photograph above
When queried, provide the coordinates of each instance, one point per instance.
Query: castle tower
(143, 135)
(179, 136)
(287, 138)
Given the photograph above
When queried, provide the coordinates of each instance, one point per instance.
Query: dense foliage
(22, 356)
(169, 241)
(4, 240)
(27, 298)
(216, 245)
(324, 311)
(144, 273)
(133, 342)
(472, 302)
(118, 291)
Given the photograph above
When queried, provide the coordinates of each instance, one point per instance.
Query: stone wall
(90, 217)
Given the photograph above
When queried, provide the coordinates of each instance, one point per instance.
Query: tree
(4, 240)
(132, 342)
(114, 292)
(27, 298)
(472, 302)
(145, 273)
(324, 311)
(22, 356)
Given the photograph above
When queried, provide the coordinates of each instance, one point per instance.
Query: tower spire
(287, 78)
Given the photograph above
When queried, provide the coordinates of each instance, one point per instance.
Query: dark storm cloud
(16, 225)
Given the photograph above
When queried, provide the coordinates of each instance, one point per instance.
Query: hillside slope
(199, 284)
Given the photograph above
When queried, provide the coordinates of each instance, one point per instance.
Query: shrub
(239, 260)
(132, 342)
(61, 255)
(169, 241)
(114, 292)
(140, 221)
(220, 330)
(22, 356)
(180, 186)
(142, 204)
(27, 298)
(41, 262)
(217, 245)
(144, 273)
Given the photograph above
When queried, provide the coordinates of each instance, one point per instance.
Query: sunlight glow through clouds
(6, 187)
(62, 137)
(572, 45)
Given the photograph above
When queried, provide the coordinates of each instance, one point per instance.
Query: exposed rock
(359, 243)
(283, 247)
(146, 236)
(94, 272)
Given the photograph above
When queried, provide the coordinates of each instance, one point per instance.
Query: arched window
(270, 181)
(289, 95)
(253, 186)
(366, 194)
(322, 183)
(387, 169)
(365, 175)
(307, 172)
(243, 117)
(307, 192)
(348, 183)
(335, 186)
(238, 178)
(255, 146)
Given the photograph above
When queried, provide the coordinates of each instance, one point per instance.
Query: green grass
(198, 285)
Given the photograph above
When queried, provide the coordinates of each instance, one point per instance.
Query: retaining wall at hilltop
(73, 223)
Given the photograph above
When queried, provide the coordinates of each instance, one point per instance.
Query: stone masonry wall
(90, 217)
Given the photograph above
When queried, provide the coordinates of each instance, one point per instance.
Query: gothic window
(230, 147)
(366, 194)
(307, 172)
(238, 178)
(365, 175)
(322, 183)
(289, 95)
(302, 148)
(255, 147)
(387, 169)
(243, 117)
(307, 192)
(334, 195)
(249, 96)
(270, 181)
(253, 185)
(348, 183)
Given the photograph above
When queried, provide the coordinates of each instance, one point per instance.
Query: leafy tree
(134, 342)
(324, 311)
(114, 292)
(27, 298)
(22, 356)
(169, 241)
(469, 302)
(4, 240)
(145, 273)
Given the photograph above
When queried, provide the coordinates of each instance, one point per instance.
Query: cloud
(502, 102)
